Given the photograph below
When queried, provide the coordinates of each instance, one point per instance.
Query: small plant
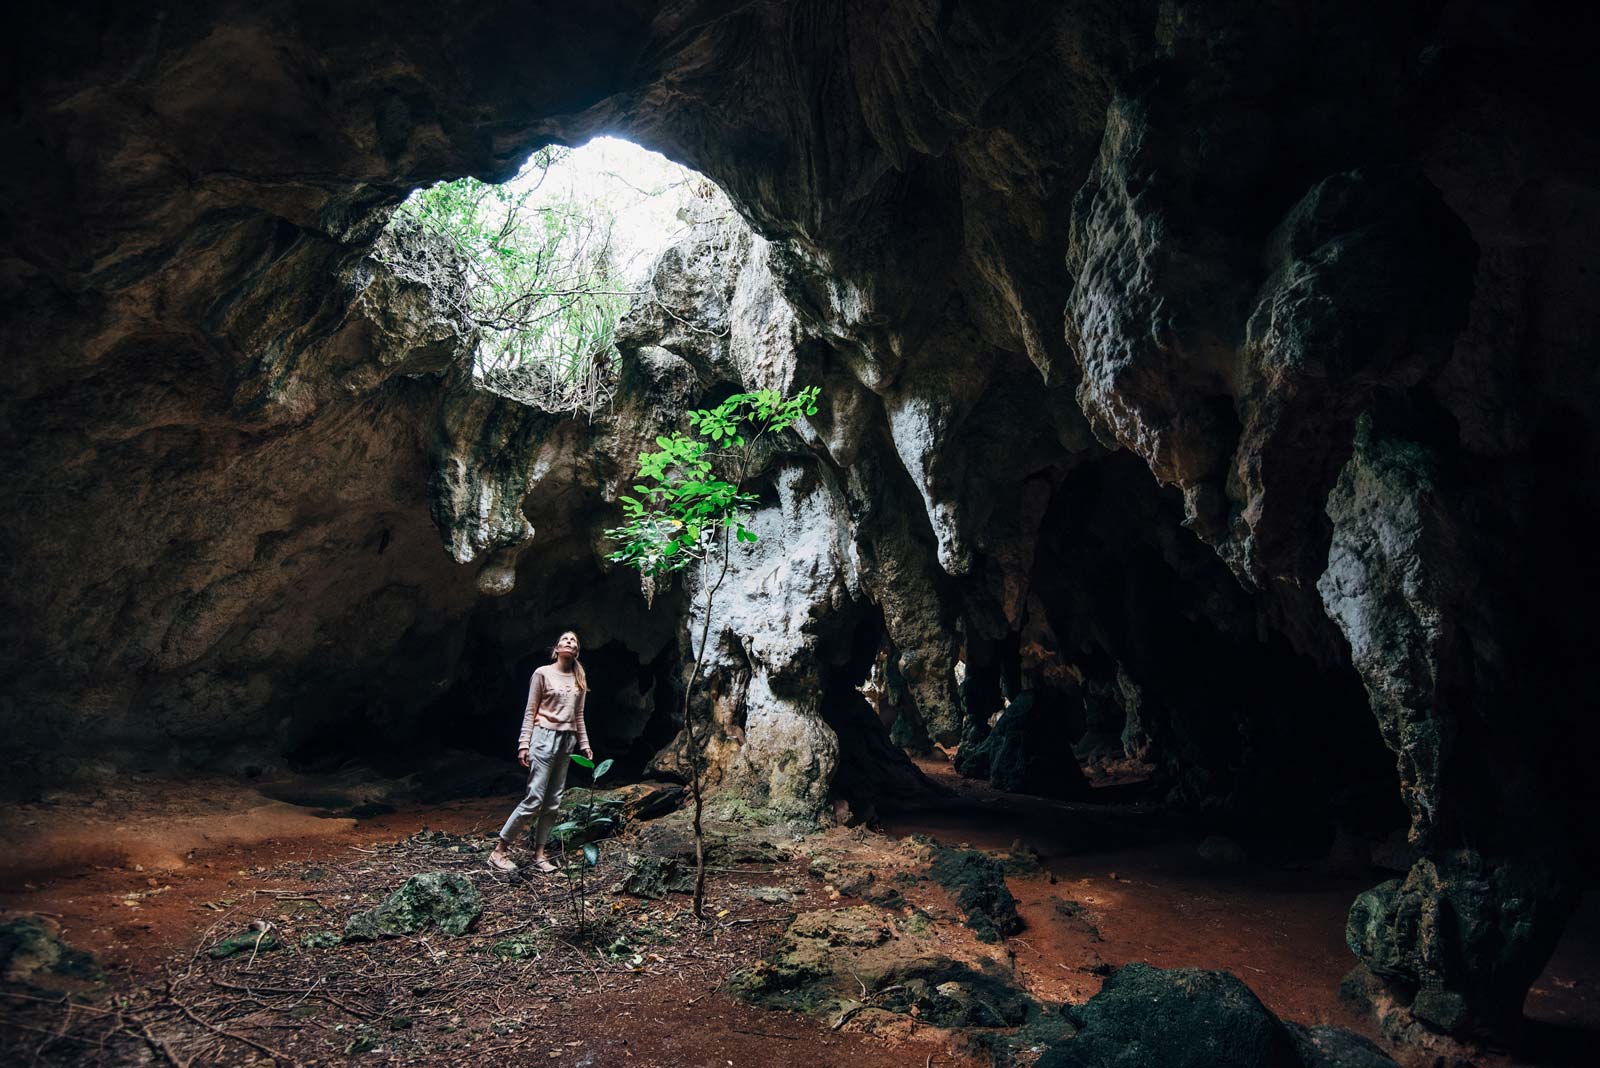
(595, 770)
(690, 509)
(596, 818)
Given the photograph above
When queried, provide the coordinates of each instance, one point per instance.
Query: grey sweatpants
(548, 751)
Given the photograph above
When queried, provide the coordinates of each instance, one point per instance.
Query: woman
(552, 726)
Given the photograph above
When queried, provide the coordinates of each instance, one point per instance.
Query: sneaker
(545, 866)
(501, 863)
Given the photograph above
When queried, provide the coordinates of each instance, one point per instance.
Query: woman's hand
(588, 752)
(522, 758)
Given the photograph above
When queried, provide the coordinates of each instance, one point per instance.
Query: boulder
(443, 901)
(1147, 1017)
(33, 954)
(1030, 748)
(978, 884)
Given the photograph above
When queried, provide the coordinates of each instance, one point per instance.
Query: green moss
(443, 901)
(244, 942)
(946, 993)
(523, 948)
(30, 953)
(978, 885)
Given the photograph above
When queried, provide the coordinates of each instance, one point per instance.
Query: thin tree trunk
(696, 757)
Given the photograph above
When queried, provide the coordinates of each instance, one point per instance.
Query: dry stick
(256, 948)
(56, 1001)
(160, 1045)
(208, 1025)
(51, 1038)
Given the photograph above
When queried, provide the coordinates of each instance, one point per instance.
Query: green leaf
(582, 761)
(591, 854)
(601, 768)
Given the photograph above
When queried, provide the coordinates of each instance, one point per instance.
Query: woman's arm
(535, 694)
(583, 734)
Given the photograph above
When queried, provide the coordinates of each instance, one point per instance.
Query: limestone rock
(978, 885)
(1175, 1018)
(1030, 748)
(443, 901)
(1465, 934)
(256, 503)
(32, 954)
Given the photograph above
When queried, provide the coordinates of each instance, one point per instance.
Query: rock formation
(1221, 368)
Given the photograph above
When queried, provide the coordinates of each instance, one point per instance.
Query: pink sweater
(554, 701)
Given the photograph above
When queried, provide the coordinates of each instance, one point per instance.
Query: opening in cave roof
(546, 264)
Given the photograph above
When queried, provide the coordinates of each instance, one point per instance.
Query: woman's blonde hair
(577, 664)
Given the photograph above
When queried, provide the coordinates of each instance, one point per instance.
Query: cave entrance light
(546, 264)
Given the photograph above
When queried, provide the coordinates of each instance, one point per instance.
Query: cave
(1199, 484)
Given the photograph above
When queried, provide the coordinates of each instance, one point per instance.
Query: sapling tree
(691, 509)
(589, 820)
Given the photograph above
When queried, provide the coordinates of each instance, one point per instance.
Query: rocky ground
(940, 939)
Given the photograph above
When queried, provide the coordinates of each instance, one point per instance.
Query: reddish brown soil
(1281, 930)
(147, 923)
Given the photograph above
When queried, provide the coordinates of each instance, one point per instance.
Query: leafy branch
(691, 506)
(538, 280)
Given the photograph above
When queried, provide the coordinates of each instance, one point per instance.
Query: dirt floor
(406, 1001)
(148, 879)
(1280, 929)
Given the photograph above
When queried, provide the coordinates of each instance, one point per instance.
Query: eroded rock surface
(1189, 1017)
(1223, 368)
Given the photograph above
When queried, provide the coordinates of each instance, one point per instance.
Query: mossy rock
(32, 955)
(978, 885)
(863, 966)
(321, 939)
(656, 877)
(520, 948)
(439, 900)
(244, 942)
(946, 993)
(772, 895)
(1023, 860)
(819, 951)
(1147, 1017)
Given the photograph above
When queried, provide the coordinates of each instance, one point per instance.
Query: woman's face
(567, 645)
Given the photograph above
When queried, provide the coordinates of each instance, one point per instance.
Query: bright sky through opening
(642, 189)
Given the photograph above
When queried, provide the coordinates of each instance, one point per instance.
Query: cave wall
(1314, 276)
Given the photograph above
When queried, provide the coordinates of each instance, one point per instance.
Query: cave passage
(1171, 589)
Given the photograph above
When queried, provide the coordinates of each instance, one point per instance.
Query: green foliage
(590, 820)
(538, 279)
(595, 770)
(689, 509)
(683, 507)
